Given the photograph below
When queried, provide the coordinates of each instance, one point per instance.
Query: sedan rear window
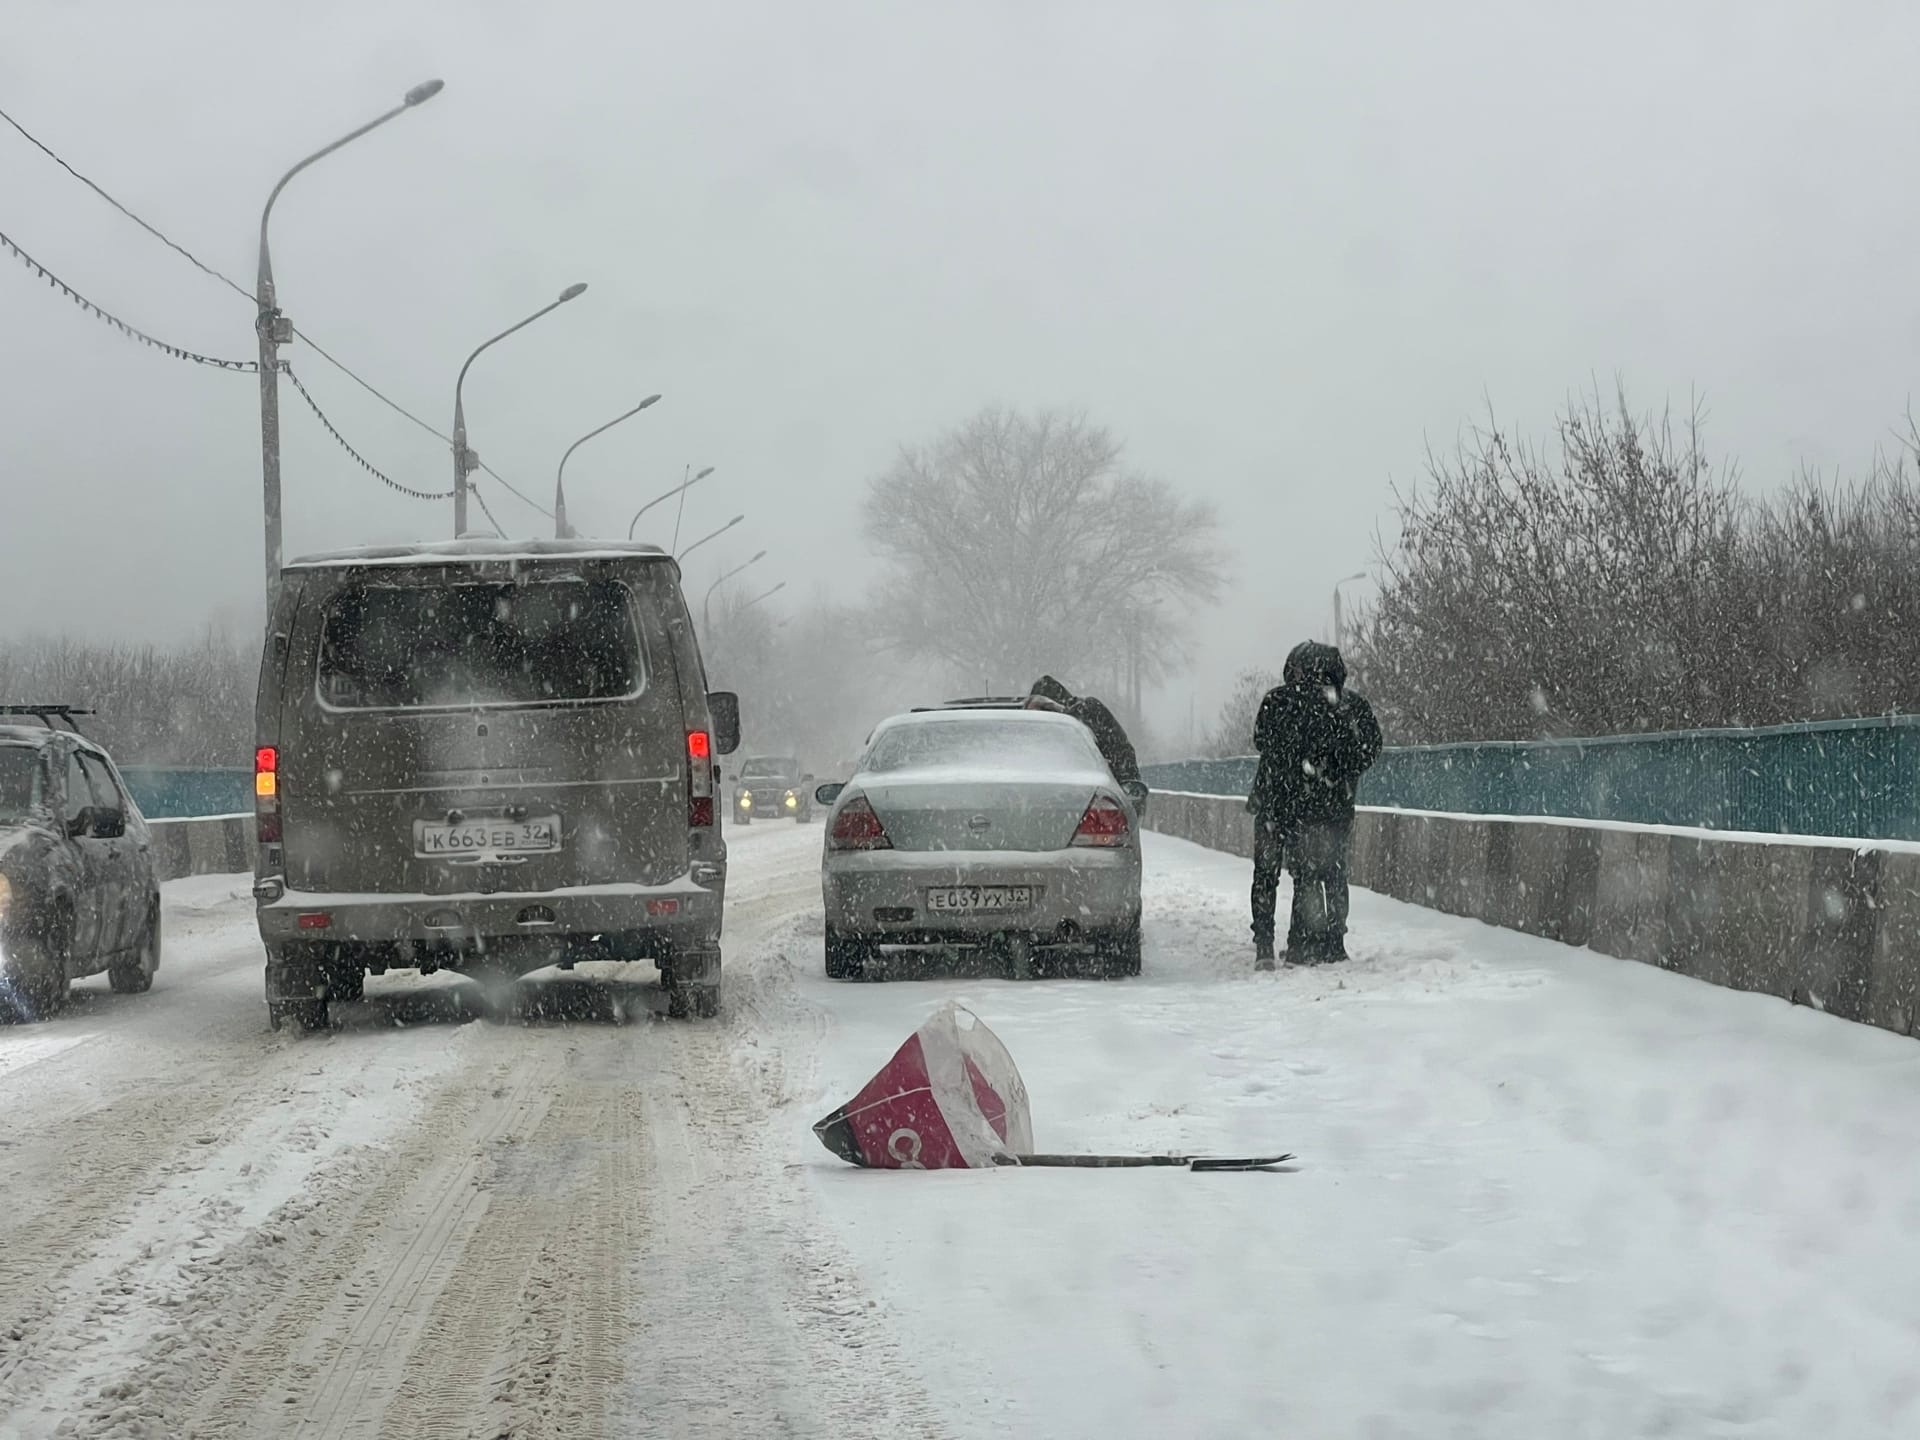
(20, 782)
(981, 743)
(453, 646)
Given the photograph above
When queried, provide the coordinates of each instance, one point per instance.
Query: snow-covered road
(1540, 1193)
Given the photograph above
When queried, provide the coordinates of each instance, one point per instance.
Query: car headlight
(746, 799)
(793, 801)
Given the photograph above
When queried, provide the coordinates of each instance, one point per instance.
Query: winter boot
(1263, 955)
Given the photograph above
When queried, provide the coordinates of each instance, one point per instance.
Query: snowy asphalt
(1540, 1192)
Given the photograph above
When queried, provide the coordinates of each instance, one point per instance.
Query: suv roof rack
(47, 714)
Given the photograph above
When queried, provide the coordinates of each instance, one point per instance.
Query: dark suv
(772, 786)
(77, 888)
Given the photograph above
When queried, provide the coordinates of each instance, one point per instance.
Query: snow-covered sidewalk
(1542, 1193)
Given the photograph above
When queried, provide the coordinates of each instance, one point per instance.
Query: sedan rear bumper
(882, 894)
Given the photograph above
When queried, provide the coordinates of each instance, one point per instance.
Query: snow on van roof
(453, 552)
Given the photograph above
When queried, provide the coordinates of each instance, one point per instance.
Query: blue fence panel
(167, 792)
(1858, 778)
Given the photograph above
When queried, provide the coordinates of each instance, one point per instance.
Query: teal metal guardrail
(1854, 778)
(169, 792)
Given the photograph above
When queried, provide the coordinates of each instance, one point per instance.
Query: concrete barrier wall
(1830, 923)
(202, 845)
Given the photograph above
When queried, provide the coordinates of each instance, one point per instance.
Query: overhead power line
(364, 463)
(180, 352)
(251, 365)
(132, 332)
(196, 261)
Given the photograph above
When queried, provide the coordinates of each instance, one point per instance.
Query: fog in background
(1275, 248)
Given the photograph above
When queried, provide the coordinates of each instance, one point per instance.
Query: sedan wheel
(847, 958)
(1119, 955)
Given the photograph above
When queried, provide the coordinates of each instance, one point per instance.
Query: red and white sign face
(949, 1099)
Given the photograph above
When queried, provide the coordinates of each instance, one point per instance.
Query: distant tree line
(189, 704)
(1617, 580)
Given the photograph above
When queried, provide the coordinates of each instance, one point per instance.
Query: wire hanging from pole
(253, 366)
(132, 332)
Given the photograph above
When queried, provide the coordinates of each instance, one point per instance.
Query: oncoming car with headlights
(982, 828)
(77, 887)
(772, 786)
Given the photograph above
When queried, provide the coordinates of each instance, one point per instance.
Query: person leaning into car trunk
(1315, 740)
(1109, 737)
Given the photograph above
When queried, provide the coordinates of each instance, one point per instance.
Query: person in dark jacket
(1315, 741)
(1108, 735)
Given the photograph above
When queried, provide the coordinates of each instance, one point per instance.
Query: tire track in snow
(330, 1344)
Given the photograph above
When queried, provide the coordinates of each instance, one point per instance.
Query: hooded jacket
(1109, 736)
(1315, 741)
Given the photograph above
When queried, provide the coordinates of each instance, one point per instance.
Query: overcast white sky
(1278, 247)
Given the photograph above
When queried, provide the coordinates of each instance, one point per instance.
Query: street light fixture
(465, 462)
(680, 489)
(275, 330)
(704, 538)
(1339, 638)
(561, 531)
(706, 616)
(763, 595)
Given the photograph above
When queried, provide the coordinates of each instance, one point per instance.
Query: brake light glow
(315, 920)
(663, 907)
(699, 779)
(857, 827)
(1104, 824)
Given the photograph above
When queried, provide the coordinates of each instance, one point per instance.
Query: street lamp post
(680, 489)
(706, 604)
(1339, 634)
(275, 330)
(704, 538)
(465, 462)
(763, 595)
(561, 531)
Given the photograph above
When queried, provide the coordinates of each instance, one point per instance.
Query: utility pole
(275, 329)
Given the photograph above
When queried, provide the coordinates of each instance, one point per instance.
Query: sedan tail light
(857, 827)
(1104, 824)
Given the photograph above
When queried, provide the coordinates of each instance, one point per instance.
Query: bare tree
(1532, 594)
(1232, 732)
(189, 704)
(1625, 584)
(1019, 544)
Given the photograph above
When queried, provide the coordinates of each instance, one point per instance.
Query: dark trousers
(1316, 857)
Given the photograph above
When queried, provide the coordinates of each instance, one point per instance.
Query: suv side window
(106, 794)
(79, 792)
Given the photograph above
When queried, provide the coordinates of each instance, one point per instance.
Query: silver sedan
(995, 828)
